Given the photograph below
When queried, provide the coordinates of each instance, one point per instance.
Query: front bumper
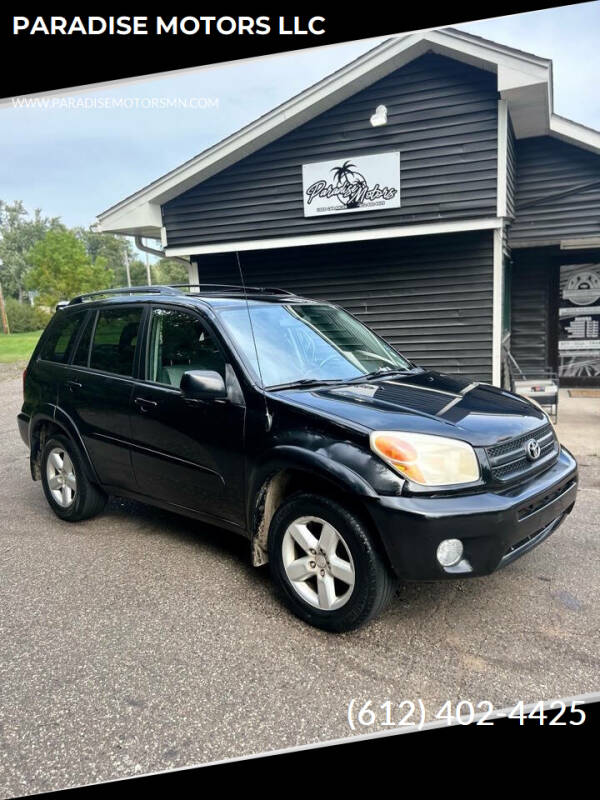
(494, 527)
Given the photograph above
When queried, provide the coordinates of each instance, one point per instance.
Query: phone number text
(414, 714)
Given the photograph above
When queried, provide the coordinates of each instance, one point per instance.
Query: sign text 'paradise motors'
(362, 183)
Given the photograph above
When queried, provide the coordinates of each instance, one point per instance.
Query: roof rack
(227, 288)
(174, 289)
(159, 289)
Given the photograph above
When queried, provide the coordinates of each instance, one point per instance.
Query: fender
(293, 456)
(344, 464)
(354, 468)
(54, 414)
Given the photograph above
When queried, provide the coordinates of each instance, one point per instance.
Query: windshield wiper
(379, 373)
(303, 382)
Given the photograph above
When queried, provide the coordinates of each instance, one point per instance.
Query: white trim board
(574, 133)
(426, 229)
(502, 180)
(581, 243)
(497, 303)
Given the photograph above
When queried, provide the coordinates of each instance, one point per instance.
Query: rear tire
(326, 565)
(69, 492)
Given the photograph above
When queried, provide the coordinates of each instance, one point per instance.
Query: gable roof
(524, 81)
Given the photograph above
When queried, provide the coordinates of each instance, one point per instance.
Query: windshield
(307, 343)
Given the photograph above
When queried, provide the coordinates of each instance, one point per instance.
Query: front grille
(509, 461)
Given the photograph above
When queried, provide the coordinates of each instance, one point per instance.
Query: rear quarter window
(60, 336)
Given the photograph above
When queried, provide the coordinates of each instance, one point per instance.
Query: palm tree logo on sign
(352, 184)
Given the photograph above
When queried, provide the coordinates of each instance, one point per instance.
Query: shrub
(23, 317)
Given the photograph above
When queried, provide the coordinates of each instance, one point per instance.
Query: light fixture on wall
(379, 117)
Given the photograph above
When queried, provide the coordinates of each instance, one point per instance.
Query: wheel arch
(42, 426)
(290, 470)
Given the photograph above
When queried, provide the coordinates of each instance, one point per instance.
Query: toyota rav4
(348, 467)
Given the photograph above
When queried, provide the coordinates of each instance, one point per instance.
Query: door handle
(145, 405)
(73, 386)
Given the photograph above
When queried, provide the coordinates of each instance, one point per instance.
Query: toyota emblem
(533, 450)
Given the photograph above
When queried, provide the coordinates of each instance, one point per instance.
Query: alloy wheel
(318, 563)
(60, 473)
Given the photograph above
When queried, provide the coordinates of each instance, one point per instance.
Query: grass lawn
(17, 346)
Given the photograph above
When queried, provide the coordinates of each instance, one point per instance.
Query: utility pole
(5, 327)
(127, 268)
(148, 274)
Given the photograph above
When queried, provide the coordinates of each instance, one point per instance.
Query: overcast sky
(74, 163)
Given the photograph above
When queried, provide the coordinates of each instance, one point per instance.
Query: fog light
(450, 552)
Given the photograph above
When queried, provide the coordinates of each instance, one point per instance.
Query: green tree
(62, 268)
(23, 317)
(137, 270)
(168, 271)
(114, 249)
(19, 232)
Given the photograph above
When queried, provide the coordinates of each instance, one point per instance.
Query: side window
(115, 338)
(82, 353)
(179, 342)
(60, 335)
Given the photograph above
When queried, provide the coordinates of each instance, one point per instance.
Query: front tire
(325, 563)
(68, 491)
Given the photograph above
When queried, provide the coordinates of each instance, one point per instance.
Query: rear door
(187, 453)
(97, 388)
(50, 369)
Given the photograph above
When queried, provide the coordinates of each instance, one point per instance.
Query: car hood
(424, 402)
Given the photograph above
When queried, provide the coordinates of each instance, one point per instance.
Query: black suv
(347, 467)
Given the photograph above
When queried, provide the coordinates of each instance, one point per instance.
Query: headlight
(428, 460)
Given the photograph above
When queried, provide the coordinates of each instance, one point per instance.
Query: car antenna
(268, 414)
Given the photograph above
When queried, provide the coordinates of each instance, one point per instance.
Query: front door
(187, 453)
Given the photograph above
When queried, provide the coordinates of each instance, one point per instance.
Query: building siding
(442, 116)
(530, 312)
(546, 168)
(430, 297)
(511, 170)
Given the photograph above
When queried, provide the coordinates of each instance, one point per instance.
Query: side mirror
(203, 385)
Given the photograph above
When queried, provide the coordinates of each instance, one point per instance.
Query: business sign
(579, 321)
(344, 185)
